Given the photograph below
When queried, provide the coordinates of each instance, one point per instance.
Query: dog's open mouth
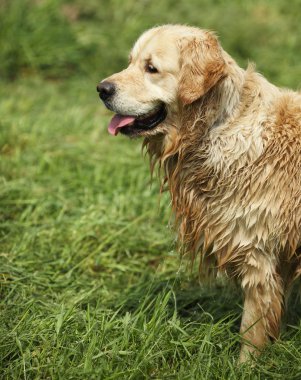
(130, 125)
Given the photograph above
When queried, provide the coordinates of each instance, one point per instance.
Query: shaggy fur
(230, 151)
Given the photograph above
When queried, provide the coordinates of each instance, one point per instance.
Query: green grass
(91, 285)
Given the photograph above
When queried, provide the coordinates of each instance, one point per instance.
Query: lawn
(91, 283)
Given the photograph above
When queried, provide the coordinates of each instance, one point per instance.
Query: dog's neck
(220, 103)
(228, 99)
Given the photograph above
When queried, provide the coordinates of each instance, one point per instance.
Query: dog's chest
(241, 195)
(214, 193)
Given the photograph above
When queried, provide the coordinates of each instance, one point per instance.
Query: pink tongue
(119, 121)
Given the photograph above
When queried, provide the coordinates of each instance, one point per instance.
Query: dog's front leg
(263, 293)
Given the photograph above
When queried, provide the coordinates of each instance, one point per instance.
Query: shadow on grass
(191, 299)
(221, 300)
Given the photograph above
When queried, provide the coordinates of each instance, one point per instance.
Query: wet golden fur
(230, 153)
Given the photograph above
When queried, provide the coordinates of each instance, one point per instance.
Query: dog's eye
(150, 69)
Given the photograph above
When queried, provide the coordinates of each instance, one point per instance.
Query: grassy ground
(91, 286)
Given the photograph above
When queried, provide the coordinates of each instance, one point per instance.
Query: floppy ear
(202, 67)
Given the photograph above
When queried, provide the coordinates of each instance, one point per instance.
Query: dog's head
(169, 67)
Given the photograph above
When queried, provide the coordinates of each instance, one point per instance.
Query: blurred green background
(91, 284)
(63, 38)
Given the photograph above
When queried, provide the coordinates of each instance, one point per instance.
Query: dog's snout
(106, 90)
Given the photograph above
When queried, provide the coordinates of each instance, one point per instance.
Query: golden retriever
(229, 145)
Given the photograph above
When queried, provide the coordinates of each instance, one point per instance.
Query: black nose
(106, 90)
